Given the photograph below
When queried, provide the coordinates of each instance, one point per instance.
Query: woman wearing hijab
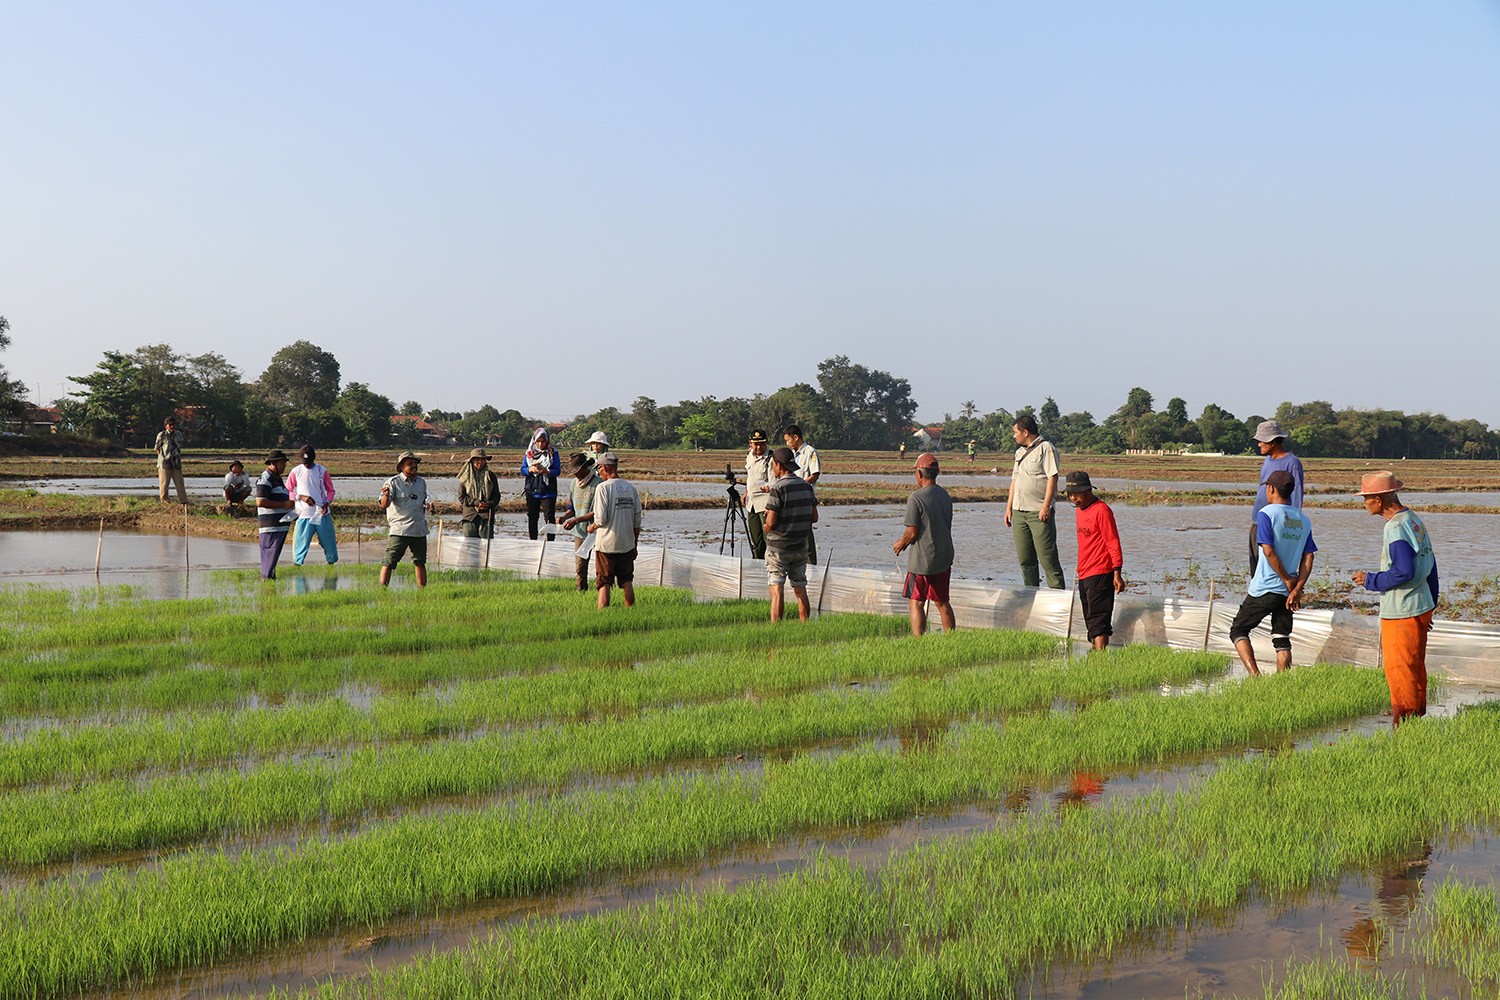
(541, 466)
(478, 495)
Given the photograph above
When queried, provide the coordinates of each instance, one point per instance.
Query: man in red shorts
(929, 535)
(1100, 561)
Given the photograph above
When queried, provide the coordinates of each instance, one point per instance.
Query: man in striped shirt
(791, 511)
(272, 502)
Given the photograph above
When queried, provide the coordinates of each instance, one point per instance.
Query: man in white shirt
(616, 529)
(312, 488)
(758, 480)
(237, 489)
(1029, 505)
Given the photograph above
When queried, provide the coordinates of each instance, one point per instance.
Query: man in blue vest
(1284, 535)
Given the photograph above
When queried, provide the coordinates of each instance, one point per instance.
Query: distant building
(38, 420)
(929, 438)
(430, 432)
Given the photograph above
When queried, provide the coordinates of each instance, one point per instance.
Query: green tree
(411, 408)
(366, 415)
(12, 391)
(108, 397)
(160, 387)
(865, 408)
(301, 376)
(214, 384)
(697, 429)
(1050, 413)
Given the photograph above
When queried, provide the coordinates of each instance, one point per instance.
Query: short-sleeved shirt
(794, 501)
(1289, 533)
(236, 481)
(407, 514)
(1029, 475)
(1286, 463)
(617, 512)
(583, 501)
(807, 461)
(757, 474)
(272, 519)
(930, 511)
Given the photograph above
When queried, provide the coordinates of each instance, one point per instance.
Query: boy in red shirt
(1099, 558)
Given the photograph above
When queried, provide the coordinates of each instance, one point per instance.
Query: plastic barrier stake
(99, 552)
(661, 580)
(1068, 642)
(359, 544)
(1209, 624)
(823, 583)
(541, 557)
(187, 566)
(742, 578)
(440, 542)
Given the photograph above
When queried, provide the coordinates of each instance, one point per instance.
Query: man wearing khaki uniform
(1028, 507)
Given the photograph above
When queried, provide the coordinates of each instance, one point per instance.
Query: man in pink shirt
(1100, 560)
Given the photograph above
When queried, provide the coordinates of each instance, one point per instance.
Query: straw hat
(1375, 483)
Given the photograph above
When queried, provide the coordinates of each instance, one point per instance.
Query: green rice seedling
(777, 667)
(201, 907)
(1462, 930)
(50, 825)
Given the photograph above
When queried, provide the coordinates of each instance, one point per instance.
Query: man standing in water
(791, 511)
(272, 502)
(807, 468)
(404, 500)
(1271, 441)
(586, 482)
(312, 488)
(478, 495)
(929, 535)
(1029, 505)
(1408, 587)
(1284, 535)
(1101, 561)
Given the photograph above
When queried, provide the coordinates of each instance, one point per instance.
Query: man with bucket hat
(586, 482)
(403, 497)
(1408, 587)
(597, 444)
(478, 495)
(791, 511)
(272, 504)
(929, 535)
(1271, 441)
(1285, 537)
(1101, 561)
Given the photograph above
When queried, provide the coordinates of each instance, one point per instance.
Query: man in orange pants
(1408, 588)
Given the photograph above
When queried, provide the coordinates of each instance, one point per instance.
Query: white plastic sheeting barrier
(1469, 652)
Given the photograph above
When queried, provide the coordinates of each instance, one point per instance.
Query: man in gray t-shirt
(929, 536)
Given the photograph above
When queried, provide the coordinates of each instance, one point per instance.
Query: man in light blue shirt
(1284, 535)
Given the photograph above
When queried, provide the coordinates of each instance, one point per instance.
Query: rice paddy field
(490, 788)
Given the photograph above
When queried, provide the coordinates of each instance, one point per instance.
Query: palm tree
(970, 409)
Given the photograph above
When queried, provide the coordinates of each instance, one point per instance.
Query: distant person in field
(237, 488)
(929, 537)
(791, 512)
(758, 479)
(169, 460)
(1408, 587)
(901, 450)
(616, 530)
(541, 466)
(973, 447)
(312, 488)
(586, 482)
(597, 444)
(1285, 537)
(808, 469)
(478, 495)
(1101, 560)
(1271, 441)
(404, 499)
(273, 505)
(1029, 505)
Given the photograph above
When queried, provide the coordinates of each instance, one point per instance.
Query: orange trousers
(1403, 648)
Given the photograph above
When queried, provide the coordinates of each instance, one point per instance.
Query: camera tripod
(732, 510)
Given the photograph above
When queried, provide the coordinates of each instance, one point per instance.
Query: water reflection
(1398, 891)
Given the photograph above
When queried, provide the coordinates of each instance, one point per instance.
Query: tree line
(299, 397)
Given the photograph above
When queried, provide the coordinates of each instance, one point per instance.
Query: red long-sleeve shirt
(1098, 540)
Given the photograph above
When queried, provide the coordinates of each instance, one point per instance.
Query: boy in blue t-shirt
(1284, 535)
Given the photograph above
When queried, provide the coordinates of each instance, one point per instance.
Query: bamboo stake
(1068, 642)
(187, 565)
(440, 543)
(99, 552)
(661, 579)
(741, 565)
(359, 544)
(541, 557)
(823, 583)
(1208, 625)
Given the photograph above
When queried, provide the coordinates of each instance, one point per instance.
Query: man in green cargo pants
(1029, 505)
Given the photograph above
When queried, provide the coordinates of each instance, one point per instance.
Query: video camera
(734, 494)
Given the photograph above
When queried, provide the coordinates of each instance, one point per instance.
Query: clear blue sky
(562, 207)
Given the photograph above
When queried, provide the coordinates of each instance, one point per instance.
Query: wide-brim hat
(401, 459)
(783, 457)
(1078, 482)
(1375, 483)
(479, 453)
(577, 462)
(276, 456)
(598, 437)
(1268, 430)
